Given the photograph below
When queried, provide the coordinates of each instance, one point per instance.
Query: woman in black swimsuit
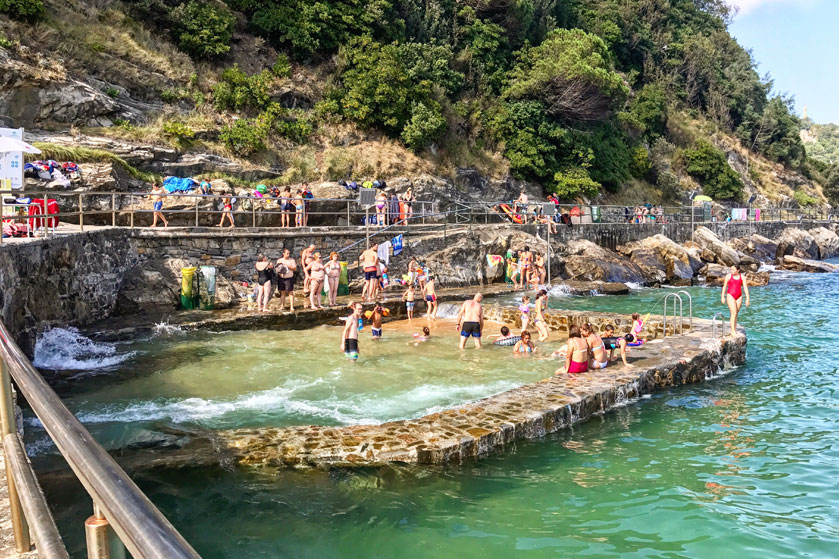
(264, 277)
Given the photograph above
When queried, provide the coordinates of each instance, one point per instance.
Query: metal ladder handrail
(714, 324)
(675, 297)
(690, 308)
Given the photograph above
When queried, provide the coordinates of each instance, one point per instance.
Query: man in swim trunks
(470, 321)
(285, 269)
(430, 298)
(157, 193)
(349, 338)
(612, 342)
(370, 264)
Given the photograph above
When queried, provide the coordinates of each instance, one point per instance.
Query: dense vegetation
(580, 95)
(824, 146)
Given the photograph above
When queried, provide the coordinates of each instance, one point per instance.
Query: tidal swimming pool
(741, 466)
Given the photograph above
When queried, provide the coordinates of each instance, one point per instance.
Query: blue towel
(397, 245)
(177, 184)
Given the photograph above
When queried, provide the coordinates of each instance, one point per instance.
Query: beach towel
(397, 245)
(383, 252)
(177, 184)
(494, 260)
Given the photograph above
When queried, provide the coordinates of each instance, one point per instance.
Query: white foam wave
(166, 329)
(65, 349)
(633, 285)
(560, 290)
(767, 268)
(448, 310)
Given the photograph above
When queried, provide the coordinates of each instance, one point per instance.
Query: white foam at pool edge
(65, 349)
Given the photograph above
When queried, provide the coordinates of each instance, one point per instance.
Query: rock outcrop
(586, 261)
(757, 246)
(154, 288)
(826, 240)
(713, 249)
(714, 275)
(796, 264)
(662, 260)
(798, 243)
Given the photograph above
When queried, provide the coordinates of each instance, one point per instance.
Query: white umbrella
(12, 145)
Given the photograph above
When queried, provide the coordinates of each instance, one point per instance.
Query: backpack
(367, 184)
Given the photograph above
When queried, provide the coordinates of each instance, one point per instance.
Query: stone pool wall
(485, 426)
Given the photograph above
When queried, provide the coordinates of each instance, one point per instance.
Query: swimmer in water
(376, 321)
(505, 338)
(349, 338)
(524, 345)
(424, 337)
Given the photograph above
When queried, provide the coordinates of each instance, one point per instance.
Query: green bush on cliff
(831, 187)
(710, 167)
(426, 126)
(237, 91)
(245, 137)
(24, 10)
(203, 29)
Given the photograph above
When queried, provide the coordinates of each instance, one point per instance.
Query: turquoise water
(743, 466)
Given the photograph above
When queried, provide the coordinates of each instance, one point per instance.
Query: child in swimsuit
(376, 320)
(612, 342)
(408, 297)
(505, 339)
(424, 337)
(524, 345)
(539, 318)
(637, 326)
(524, 309)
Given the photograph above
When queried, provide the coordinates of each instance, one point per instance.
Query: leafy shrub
(171, 95)
(124, 124)
(178, 131)
(529, 138)
(238, 91)
(5, 42)
(668, 184)
(803, 199)
(203, 29)
(831, 186)
(245, 137)
(111, 92)
(574, 182)
(487, 48)
(290, 124)
(647, 112)
(23, 10)
(427, 124)
(710, 167)
(282, 67)
(640, 165)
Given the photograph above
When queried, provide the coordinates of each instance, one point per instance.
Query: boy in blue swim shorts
(349, 338)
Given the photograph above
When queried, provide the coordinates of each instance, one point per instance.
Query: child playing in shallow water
(376, 320)
(408, 297)
(524, 309)
(505, 338)
(424, 337)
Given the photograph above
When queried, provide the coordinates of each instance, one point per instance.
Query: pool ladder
(677, 297)
(721, 316)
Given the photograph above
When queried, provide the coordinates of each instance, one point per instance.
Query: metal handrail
(675, 297)
(690, 307)
(141, 527)
(714, 324)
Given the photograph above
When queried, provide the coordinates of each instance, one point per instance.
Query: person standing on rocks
(525, 264)
(370, 264)
(349, 338)
(333, 277)
(265, 287)
(286, 268)
(157, 194)
(470, 321)
(430, 298)
(317, 275)
(305, 261)
(520, 205)
(733, 289)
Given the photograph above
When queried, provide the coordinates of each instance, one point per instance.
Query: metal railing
(118, 504)
(191, 209)
(721, 318)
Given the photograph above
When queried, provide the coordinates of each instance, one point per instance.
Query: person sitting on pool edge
(349, 338)
(597, 352)
(612, 342)
(576, 357)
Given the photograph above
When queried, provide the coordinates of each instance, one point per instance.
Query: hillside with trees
(589, 98)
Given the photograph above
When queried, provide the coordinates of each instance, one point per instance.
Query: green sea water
(741, 466)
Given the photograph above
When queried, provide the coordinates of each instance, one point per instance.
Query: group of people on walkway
(527, 270)
(318, 276)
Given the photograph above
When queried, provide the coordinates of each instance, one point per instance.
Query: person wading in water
(470, 321)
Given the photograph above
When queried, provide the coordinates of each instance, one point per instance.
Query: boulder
(826, 240)
(662, 260)
(714, 275)
(798, 243)
(722, 253)
(796, 264)
(757, 246)
(748, 264)
(586, 261)
(154, 287)
(571, 287)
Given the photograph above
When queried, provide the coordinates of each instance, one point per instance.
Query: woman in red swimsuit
(733, 289)
(576, 356)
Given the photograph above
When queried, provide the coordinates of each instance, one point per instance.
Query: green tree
(237, 91)
(245, 137)
(831, 186)
(647, 112)
(24, 10)
(710, 167)
(571, 73)
(427, 124)
(529, 139)
(203, 29)
(486, 50)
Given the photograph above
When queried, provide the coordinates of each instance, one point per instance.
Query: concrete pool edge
(488, 425)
